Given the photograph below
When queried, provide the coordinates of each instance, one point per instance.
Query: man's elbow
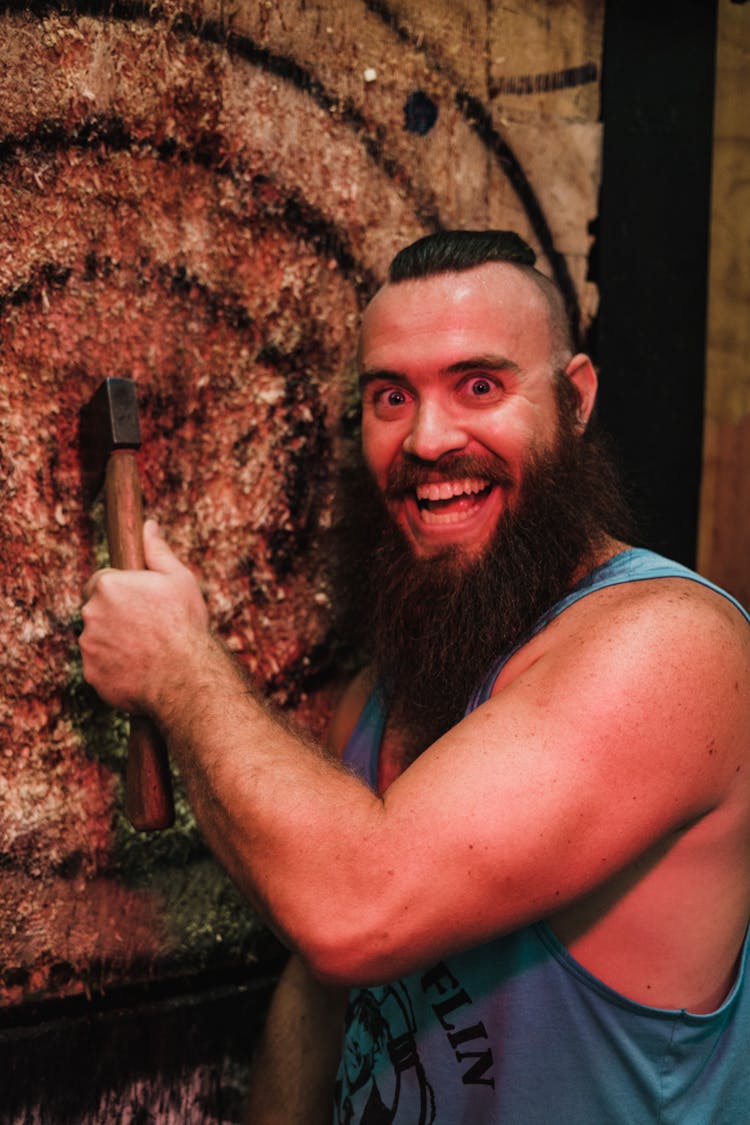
(350, 955)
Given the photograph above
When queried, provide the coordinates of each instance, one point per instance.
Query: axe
(109, 435)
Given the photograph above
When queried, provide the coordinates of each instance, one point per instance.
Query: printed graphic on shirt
(383, 1077)
(467, 1037)
(381, 1080)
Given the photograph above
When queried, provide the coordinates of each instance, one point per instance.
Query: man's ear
(582, 375)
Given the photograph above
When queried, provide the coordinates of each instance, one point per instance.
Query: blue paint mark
(420, 113)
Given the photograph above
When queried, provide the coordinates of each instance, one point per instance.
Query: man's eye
(387, 402)
(390, 398)
(479, 386)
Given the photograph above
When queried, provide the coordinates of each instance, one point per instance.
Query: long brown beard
(433, 627)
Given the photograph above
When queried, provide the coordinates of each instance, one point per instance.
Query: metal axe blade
(108, 421)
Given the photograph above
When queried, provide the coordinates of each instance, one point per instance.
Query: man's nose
(434, 432)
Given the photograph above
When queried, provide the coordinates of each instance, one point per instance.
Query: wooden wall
(724, 543)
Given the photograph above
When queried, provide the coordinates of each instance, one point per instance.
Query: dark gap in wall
(651, 256)
(102, 1058)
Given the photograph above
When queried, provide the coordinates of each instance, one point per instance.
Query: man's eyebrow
(482, 363)
(473, 363)
(371, 374)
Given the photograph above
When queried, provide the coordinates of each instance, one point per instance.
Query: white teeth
(444, 490)
(443, 517)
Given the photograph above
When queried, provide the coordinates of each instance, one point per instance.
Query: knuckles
(136, 624)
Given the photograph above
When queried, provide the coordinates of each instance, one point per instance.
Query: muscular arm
(627, 727)
(293, 1072)
(291, 1081)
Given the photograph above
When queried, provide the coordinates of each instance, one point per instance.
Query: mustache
(409, 472)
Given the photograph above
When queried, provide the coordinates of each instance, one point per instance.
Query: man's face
(457, 390)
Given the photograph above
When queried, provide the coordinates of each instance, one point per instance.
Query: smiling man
(449, 421)
(474, 426)
(528, 878)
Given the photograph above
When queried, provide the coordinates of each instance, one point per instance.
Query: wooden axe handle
(148, 787)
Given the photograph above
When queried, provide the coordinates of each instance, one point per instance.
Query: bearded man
(531, 868)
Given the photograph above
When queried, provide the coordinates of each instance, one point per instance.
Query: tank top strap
(637, 564)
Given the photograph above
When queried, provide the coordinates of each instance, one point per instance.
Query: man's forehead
(495, 298)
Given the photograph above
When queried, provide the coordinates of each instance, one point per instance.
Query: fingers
(91, 585)
(157, 553)
(158, 556)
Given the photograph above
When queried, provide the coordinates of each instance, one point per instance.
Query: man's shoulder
(676, 618)
(668, 610)
(670, 601)
(630, 582)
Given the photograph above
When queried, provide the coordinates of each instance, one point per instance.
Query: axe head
(109, 421)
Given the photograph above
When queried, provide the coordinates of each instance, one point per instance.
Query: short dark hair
(445, 251)
(449, 251)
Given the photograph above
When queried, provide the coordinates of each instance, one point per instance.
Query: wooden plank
(544, 86)
(724, 531)
(546, 57)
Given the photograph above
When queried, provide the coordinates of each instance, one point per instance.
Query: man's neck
(609, 548)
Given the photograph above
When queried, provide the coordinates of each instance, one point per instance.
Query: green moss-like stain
(209, 921)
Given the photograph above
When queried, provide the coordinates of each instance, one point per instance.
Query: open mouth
(451, 501)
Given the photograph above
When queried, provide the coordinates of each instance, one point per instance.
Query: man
(540, 908)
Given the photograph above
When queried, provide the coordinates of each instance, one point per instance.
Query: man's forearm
(273, 806)
(266, 798)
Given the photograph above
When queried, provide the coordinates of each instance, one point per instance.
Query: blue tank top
(516, 1031)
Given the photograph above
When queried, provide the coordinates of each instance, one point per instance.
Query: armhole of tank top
(362, 751)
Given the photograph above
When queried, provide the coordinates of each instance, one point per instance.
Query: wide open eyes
(481, 390)
(387, 401)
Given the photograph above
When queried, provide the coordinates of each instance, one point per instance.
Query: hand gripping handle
(148, 788)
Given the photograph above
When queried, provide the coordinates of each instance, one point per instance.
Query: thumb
(158, 555)
(160, 559)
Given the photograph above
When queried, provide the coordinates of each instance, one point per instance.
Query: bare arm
(293, 1072)
(291, 1081)
(629, 726)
